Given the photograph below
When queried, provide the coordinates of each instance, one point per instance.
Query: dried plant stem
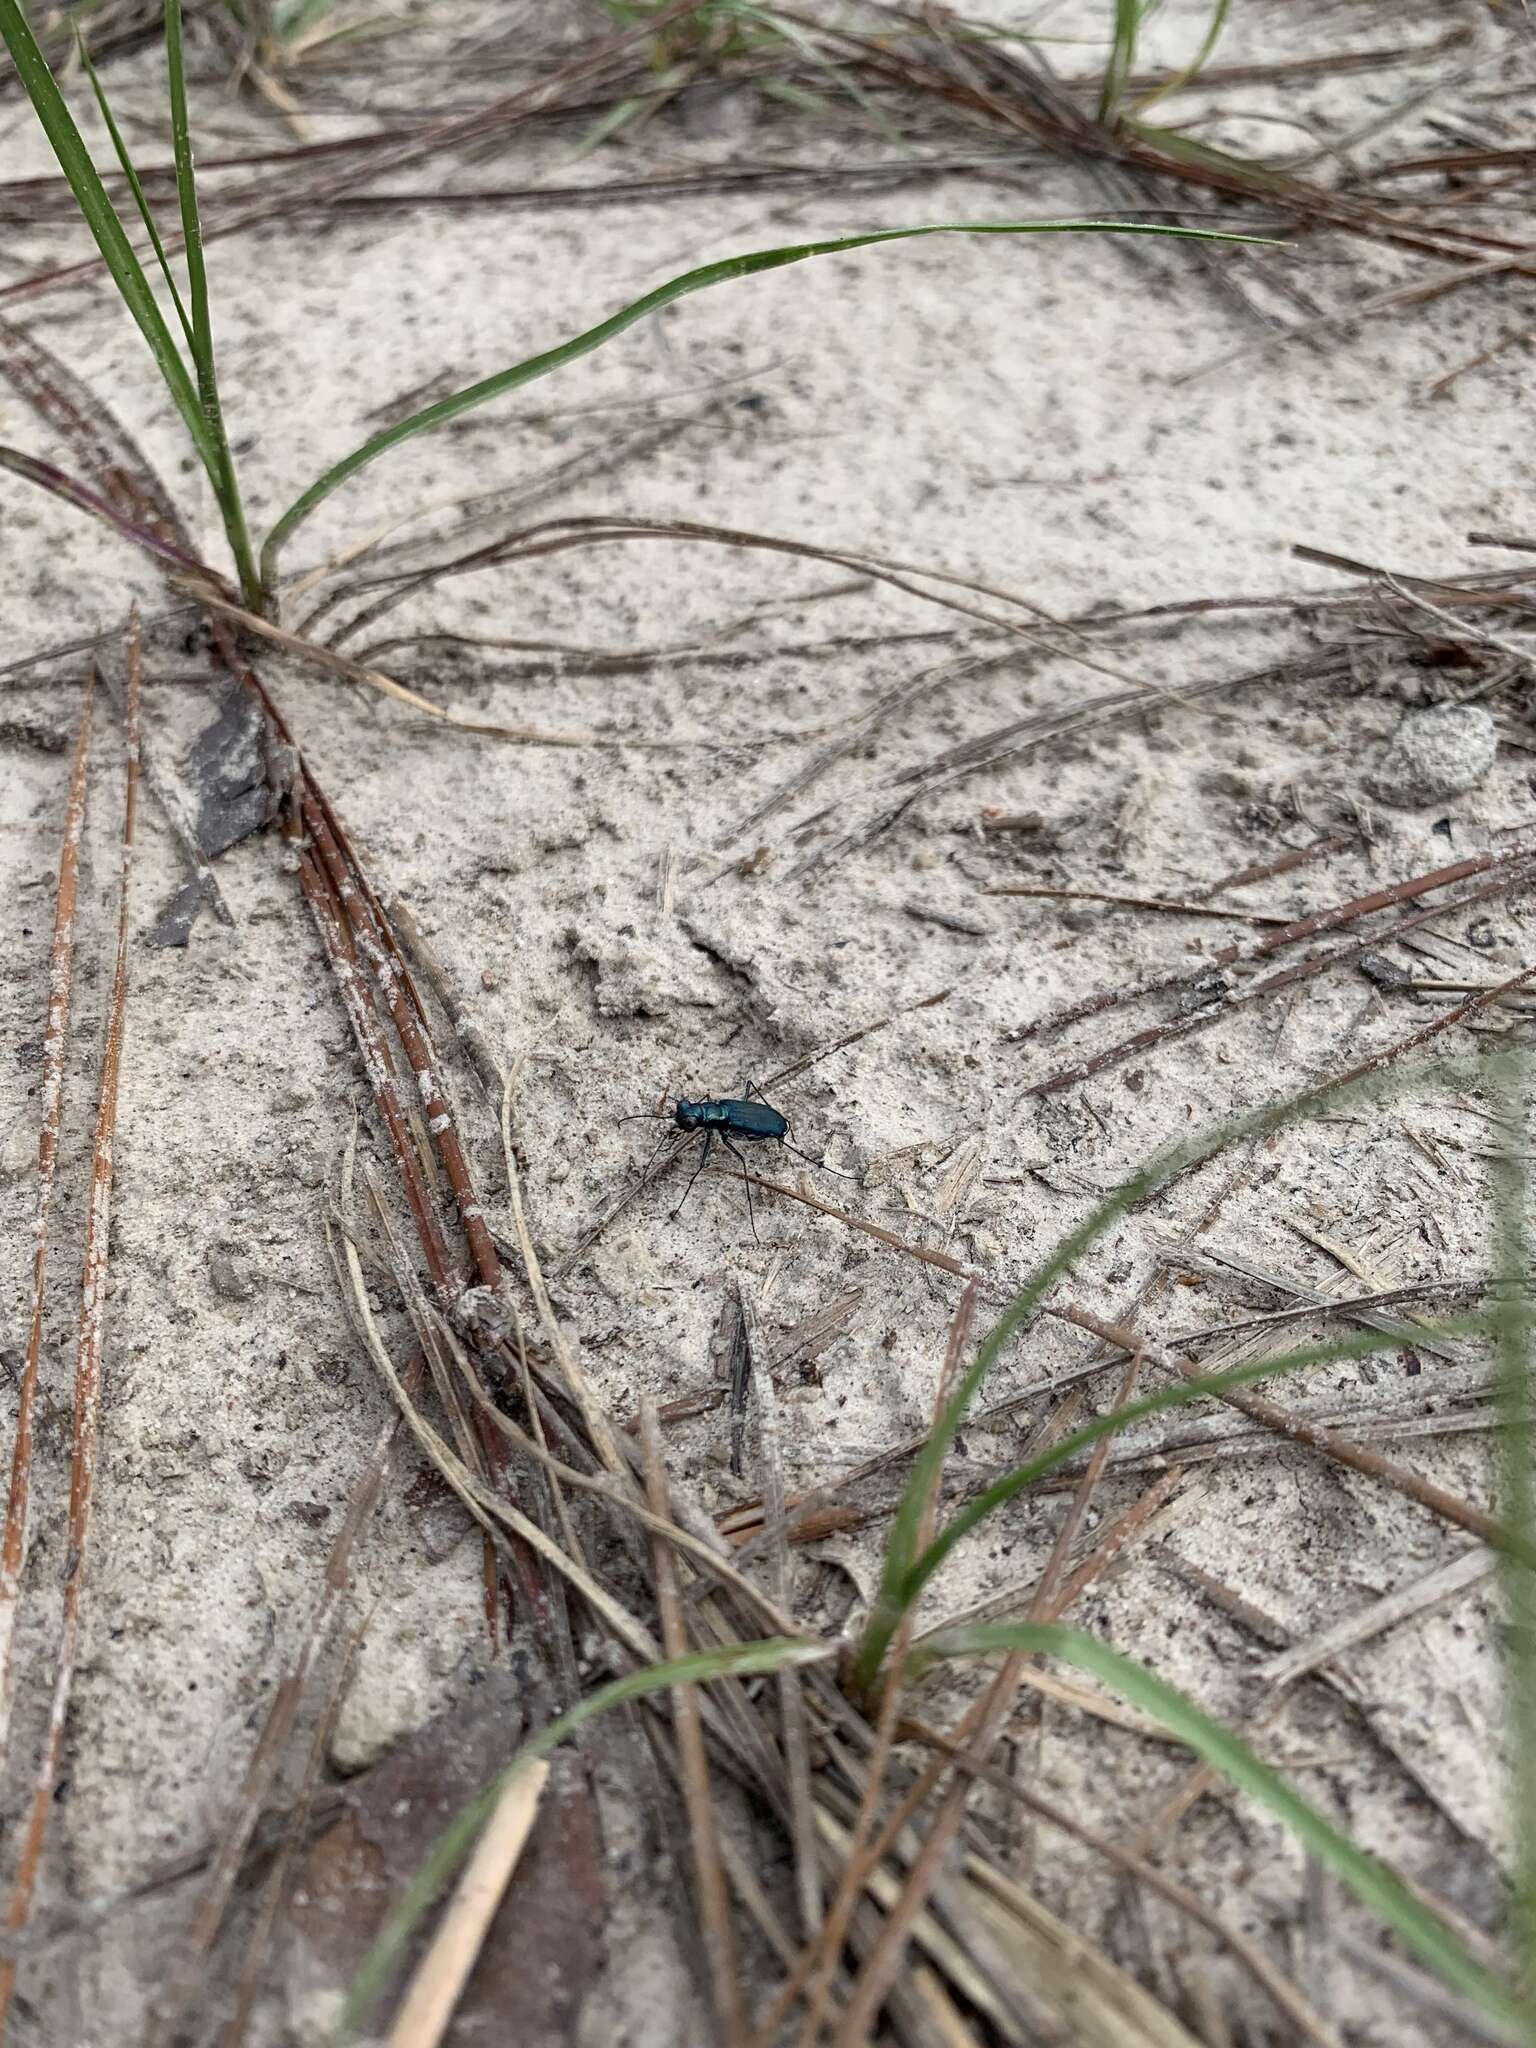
(1315, 925)
(13, 1551)
(1233, 998)
(1484, 999)
(709, 1877)
(373, 942)
(87, 1406)
(834, 1932)
(794, 1727)
(913, 1251)
(1248, 1952)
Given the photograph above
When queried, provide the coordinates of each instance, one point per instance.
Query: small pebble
(230, 1277)
(1436, 752)
(19, 1151)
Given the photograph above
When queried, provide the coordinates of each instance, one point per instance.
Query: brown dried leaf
(541, 1953)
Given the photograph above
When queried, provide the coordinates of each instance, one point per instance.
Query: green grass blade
(91, 197)
(734, 1660)
(839, 76)
(1371, 1882)
(225, 482)
(1126, 18)
(707, 275)
(1197, 63)
(186, 187)
(1175, 143)
(126, 165)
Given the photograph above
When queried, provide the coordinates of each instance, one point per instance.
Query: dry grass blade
(1227, 998)
(374, 679)
(860, 1860)
(1315, 925)
(427, 2008)
(465, 1030)
(1235, 915)
(792, 1713)
(13, 1552)
(87, 1404)
(599, 1428)
(709, 1877)
(975, 1736)
(1290, 2002)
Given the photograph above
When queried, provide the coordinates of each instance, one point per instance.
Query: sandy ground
(1052, 419)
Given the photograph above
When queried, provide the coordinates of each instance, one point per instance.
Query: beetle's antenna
(645, 1116)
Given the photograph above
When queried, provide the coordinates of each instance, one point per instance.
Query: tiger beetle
(733, 1119)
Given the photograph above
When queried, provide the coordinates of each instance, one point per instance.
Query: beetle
(734, 1120)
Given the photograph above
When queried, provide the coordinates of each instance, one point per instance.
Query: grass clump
(189, 368)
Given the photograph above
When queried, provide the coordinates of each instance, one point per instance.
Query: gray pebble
(1435, 753)
(18, 1154)
(230, 1277)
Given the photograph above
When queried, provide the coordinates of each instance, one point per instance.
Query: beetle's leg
(709, 1139)
(746, 1182)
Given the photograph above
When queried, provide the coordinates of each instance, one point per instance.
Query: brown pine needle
(87, 1411)
(913, 1251)
(13, 1550)
(1232, 915)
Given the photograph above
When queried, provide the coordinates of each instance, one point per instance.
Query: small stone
(287, 1100)
(230, 1277)
(309, 1173)
(1436, 752)
(18, 1152)
(311, 1512)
